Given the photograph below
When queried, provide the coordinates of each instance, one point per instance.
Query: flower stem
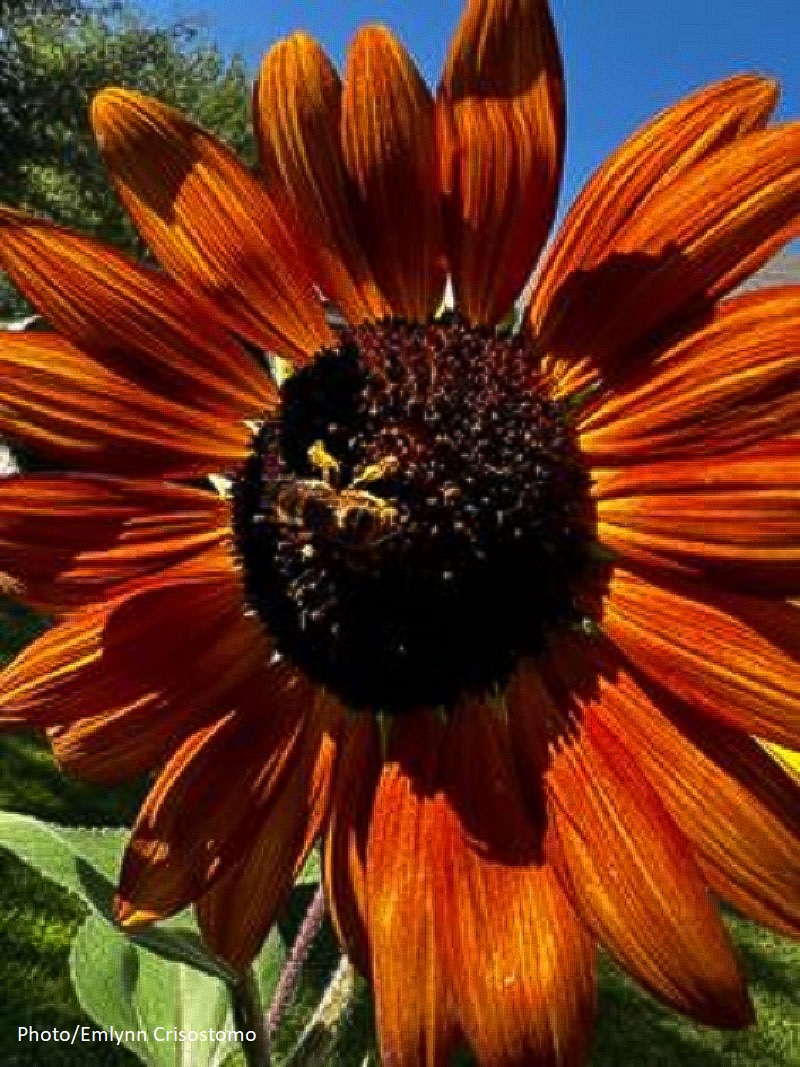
(247, 1014)
(290, 975)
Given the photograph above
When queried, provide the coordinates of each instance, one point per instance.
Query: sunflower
(496, 614)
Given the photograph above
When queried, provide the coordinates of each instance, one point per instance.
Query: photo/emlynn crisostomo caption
(84, 1034)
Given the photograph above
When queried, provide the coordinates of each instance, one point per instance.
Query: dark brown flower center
(415, 518)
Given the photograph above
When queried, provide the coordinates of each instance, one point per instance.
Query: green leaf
(145, 1001)
(85, 863)
(312, 871)
(268, 964)
(178, 939)
(104, 970)
(80, 861)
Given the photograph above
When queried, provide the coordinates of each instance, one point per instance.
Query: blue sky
(625, 59)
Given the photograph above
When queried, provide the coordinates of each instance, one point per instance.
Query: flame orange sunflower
(496, 614)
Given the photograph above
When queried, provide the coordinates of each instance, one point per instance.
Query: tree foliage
(54, 55)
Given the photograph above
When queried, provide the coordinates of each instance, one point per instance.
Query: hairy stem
(290, 975)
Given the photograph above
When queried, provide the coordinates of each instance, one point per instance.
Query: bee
(352, 516)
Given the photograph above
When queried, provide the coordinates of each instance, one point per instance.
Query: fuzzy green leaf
(268, 964)
(311, 872)
(81, 861)
(166, 1013)
(86, 862)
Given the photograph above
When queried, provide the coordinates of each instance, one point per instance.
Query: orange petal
(207, 804)
(110, 531)
(631, 872)
(389, 153)
(500, 125)
(654, 157)
(728, 385)
(469, 932)
(406, 899)
(209, 222)
(764, 467)
(533, 723)
(746, 538)
(64, 404)
(692, 242)
(734, 520)
(237, 914)
(121, 737)
(119, 657)
(733, 802)
(737, 540)
(297, 106)
(133, 320)
(344, 852)
(707, 651)
(520, 962)
(127, 739)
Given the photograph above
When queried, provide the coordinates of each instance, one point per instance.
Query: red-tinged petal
(406, 896)
(389, 151)
(533, 723)
(767, 517)
(739, 809)
(520, 963)
(345, 846)
(727, 657)
(237, 914)
(772, 573)
(157, 708)
(728, 385)
(121, 656)
(207, 804)
(735, 520)
(209, 222)
(763, 467)
(631, 872)
(62, 403)
(461, 913)
(133, 320)
(654, 157)
(500, 128)
(692, 242)
(297, 107)
(110, 531)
